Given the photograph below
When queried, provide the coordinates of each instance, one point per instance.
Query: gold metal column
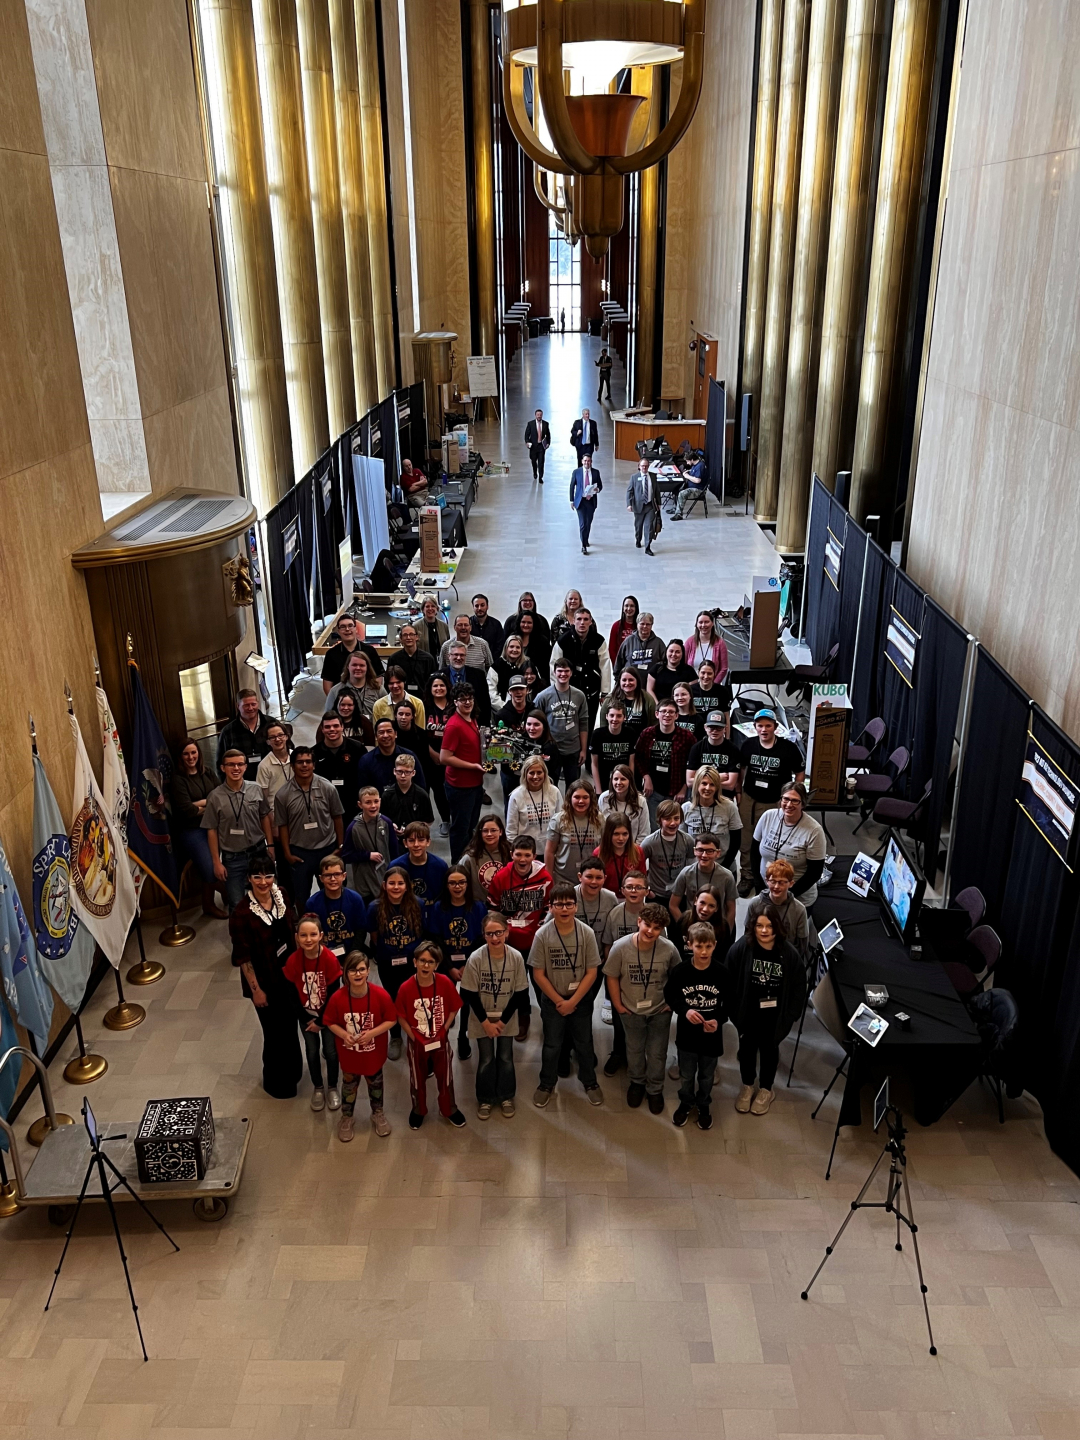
(375, 191)
(644, 80)
(350, 146)
(757, 268)
(247, 240)
(320, 128)
(781, 255)
(483, 171)
(278, 51)
(824, 50)
(903, 147)
(845, 280)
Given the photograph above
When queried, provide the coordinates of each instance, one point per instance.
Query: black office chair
(870, 789)
(906, 815)
(817, 674)
(982, 952)
(996, 1014)
(973, 901)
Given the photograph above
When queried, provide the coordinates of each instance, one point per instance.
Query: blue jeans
(692, 1064)
(236, 864)
(464, 805)
(315, 1042)
(305, 872)
(195, 847)
(646, 1048)
(578, 1025)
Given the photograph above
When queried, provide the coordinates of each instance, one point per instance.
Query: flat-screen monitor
(901, 889)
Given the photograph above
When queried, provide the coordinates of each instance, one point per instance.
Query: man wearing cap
(512, 716)
(718, 751)
(766, 764)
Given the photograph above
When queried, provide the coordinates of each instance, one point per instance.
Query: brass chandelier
(585, 134)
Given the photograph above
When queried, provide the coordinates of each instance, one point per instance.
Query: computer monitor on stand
(900, 887)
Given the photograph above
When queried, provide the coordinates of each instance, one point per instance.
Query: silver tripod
(894, 1148)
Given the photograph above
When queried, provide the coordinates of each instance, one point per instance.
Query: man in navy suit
(584, 435)
(538, 438)
(584, 480)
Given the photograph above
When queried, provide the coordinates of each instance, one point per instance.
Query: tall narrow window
(564, 276)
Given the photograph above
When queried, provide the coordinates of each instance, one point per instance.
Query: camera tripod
(98, 1161)
(893, 1147)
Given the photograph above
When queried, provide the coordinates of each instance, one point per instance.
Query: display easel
(483, 382)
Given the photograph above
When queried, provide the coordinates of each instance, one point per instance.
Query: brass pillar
(483, 171)
(247, 240)
(824, 49)
(350, 144)
(903, 147)
(645, 389)
(845, 280)
(320, 129)
(375, 192)
(757, 267)
(789, 113)
(278, 52)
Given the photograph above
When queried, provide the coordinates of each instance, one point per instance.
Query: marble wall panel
(995, 526)
(120, 456)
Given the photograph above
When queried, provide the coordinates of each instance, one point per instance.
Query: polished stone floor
(573, 1272)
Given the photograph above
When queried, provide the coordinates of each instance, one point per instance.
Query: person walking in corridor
(585, 486)
(641, 499)
(538, 438)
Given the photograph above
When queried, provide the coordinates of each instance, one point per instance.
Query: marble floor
(573, 1272)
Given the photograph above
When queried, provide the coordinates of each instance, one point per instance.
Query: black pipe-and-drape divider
(1032, 895)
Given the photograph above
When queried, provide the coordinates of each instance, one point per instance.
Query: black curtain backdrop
(820, 595)
(986, 811)
(1062, 1076)
(388, 428)
(326, 580)
(418, 436)
(715, 423)
(897, 698)
(288, 588)
(854, 540)
(865, 702)
(939, 683)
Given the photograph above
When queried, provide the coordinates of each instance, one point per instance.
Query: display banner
(290, 539)
(834, 553)
(102, 889)
(65, 948)
(1048, 799)
(901, 644)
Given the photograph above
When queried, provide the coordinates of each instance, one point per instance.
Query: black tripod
(894, 1147)
(99, 1160)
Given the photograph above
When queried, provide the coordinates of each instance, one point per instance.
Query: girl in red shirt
(314, 970)
(360, 1016)
(617, 852)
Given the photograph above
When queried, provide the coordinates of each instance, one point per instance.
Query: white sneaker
(762, 1100)
(605, 1013)
(333, 1098)
(743, 1099)
(673, 1072)
(483, 1112)
(318, 1100)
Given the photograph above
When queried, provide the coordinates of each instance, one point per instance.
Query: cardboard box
(827, 742)
(430, 527)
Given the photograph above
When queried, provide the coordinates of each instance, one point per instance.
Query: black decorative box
(175, 1140)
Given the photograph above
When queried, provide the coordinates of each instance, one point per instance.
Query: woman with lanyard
(637, 969)
(396, 927)
(709, 811)
(640, 705)
(274, 771)
(622, 797)
(534, 802)
(573, 833)
(618, 853)
(686, 717)
(624, 626)
(767, 993)
(486, 853)
(706, 644)
(787, 833)
(495, 988)
(456, 921)
(437, 711)
(262, 928)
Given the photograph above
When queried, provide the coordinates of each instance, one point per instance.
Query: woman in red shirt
(462, 755)
(617, 852)
(360, 1017)
(624, 626)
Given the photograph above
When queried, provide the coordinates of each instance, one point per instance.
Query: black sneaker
(656, 1104)
(613, 1064)
(634, 1095)
(682, 1114)
(415, 1119)
(457, 1119)
(704, 1118)
(464, 1051)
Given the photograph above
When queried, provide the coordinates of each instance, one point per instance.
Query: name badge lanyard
(669, 860)
(539, 812)
(496, 990)
(647, 979)
(591, 922)
(238, 810)
(566, 951)
(581, 839)
(777, 842)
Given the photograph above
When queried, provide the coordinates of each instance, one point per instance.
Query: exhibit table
(634, 425)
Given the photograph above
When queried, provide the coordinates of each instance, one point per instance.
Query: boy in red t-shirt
(360, 1016)
(426, 1004)
(314, 970)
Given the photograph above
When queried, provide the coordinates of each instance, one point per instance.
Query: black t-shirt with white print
(768, 771)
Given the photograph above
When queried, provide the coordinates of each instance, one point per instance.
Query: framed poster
(482, 377)
(901, 645)
(834, 553)
(1048, 799)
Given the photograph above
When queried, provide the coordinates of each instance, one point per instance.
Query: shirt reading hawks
(765, 976)
(768, 771)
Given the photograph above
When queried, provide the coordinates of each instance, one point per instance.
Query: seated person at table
(695, 487)
(414, 484)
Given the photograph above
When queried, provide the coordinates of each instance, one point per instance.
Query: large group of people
(631, 817)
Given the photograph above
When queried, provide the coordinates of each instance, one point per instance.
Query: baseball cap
(765, 715)
(517, 682)
(715, 717)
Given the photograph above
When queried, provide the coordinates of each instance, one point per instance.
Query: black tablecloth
(941, 1052)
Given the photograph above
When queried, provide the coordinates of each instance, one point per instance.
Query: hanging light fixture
(581, 128)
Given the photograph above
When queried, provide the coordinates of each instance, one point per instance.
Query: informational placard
(1048, 799)
(834, 553)
(290, 539)
(482, 377)
(901, 645)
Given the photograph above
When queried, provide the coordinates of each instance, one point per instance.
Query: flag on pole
(102, 890)
(148, 838)
(9, 1076)
(65, 948)
(27, 994)
(115, 786)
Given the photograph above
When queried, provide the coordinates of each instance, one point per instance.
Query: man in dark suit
(642, 499)
(538, 438)
(583, 481)
(584, 435)
(458, 673)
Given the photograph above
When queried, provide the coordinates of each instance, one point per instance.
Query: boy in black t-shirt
(697, 992)
(767, 764)
(717, 751)
(610, 745)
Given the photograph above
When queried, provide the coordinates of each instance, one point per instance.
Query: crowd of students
(623, 881)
